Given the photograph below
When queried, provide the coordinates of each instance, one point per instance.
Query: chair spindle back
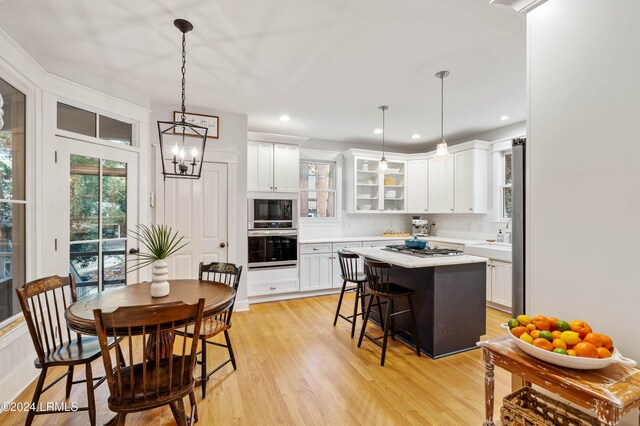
(377, 276)
(225, 273)
(348, 265)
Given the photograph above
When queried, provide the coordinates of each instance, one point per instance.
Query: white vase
(160, 285)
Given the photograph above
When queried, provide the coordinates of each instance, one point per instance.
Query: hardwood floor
(295, 368)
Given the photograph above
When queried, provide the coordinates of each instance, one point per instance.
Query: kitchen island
(449, 299)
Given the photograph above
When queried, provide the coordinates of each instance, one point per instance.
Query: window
(12, 197)
(317, 189)
(77, 120)
(507, 200)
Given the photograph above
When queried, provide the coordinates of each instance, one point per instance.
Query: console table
(610, 392)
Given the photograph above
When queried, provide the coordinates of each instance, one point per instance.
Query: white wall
(231, 142)
(355, 225)
(583, 175)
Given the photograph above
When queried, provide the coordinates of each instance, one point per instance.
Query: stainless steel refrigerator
(518, 155)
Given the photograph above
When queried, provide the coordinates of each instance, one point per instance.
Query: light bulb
(383, 166)
(182, 153)
(175, 150)
(442, 151)
(194, 152)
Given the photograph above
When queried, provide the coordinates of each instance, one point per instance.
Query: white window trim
(310, 155)
(500, 148)
(334, 190)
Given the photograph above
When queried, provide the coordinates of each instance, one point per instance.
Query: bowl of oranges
(567, 344)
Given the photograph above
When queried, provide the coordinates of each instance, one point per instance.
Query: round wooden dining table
(217, 297)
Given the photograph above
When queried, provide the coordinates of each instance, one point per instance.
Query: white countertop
(408, 261)
(380, 238)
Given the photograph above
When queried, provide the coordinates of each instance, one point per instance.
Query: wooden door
(198, 210)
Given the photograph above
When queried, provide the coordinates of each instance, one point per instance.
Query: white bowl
(576, 362)
(364, 207)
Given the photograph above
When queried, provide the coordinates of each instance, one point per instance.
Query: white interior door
(198, 210)
(90, 193)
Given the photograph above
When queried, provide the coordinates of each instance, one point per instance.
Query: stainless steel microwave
(272, 214)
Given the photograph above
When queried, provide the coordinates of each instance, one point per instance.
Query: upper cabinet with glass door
(369, 191)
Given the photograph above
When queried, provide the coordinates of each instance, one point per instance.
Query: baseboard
(241, 305)
(288, 296)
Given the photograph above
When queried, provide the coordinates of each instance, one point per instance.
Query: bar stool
(350, 274)
(379, 286)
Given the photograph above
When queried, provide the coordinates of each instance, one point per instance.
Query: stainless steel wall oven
(273, 233)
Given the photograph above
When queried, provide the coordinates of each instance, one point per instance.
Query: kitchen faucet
(508, 223)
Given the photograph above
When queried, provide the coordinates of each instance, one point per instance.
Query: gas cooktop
(425, 252)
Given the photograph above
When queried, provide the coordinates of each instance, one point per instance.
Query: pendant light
(181, 138)
(442, 151)
(383, 167)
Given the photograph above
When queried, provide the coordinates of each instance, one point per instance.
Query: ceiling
(327, 64)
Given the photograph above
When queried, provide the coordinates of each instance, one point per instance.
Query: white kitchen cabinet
(417, 188)
(470, 187)
(500, 284)
(315, 271)
(369, 192)
(440, 185)
(272, 167)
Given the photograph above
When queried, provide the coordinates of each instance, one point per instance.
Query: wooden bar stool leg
(393, 322)
(364, 321)
(414, 328)
(67, 389)
(380, 312)
(355, 311)
(344, 285)
(387, 320)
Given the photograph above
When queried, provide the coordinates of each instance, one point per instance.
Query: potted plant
(161, 242)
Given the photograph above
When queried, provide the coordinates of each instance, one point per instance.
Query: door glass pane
(76, 120)
(115, 130)
(114, 263)
(507, 169)
(84, 197)
(114, 199)
(12, 134)
(84, 265)
(12, 257)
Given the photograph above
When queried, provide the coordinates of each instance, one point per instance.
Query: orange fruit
(604, 352)
(541, 322)
(580, 327)
(543, 344)
(534, 333)
(556, 334)
(531, 327)
(559, 343)
(571, 352)
(606, 341)
(594, 339)
(517, 331)
(586, 350)
(552, 322)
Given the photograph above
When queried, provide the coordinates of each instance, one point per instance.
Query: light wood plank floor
(295, 368)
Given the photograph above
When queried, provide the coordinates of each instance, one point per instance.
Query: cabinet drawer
(315, 248)
(345, 246)
(446, 245)
(381, 243)
(272, 288)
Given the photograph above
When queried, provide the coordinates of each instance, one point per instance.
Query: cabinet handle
(451, 209)
(316, 249)
(470, 209)
(275, 187)
(273, 287)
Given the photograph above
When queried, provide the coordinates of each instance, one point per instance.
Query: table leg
(488, 387)
(164, 342)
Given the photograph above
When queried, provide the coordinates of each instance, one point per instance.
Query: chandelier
(182, 143)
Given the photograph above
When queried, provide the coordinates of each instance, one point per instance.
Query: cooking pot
(415, 243)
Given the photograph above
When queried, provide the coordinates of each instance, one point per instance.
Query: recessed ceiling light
(285, 118)
(416, 136)
(378, 131)
(504, 117)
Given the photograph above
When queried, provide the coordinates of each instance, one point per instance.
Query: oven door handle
(272, 232)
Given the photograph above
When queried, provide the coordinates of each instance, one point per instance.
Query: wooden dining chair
(146, 384)
(379, 286)
(43, 303)
(229, 274)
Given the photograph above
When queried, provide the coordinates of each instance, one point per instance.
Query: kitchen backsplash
(469, 226)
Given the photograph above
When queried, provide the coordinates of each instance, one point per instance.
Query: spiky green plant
(161, 242)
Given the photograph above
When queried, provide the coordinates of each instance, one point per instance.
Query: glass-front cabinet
(374, 192)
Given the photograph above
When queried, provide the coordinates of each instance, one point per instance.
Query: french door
(95, 207)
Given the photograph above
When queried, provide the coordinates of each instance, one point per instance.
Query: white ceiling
(328, 64)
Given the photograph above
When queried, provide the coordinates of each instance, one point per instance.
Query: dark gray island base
(449, 300)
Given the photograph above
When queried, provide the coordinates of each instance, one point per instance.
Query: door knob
(223, 245)
(134, 251)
